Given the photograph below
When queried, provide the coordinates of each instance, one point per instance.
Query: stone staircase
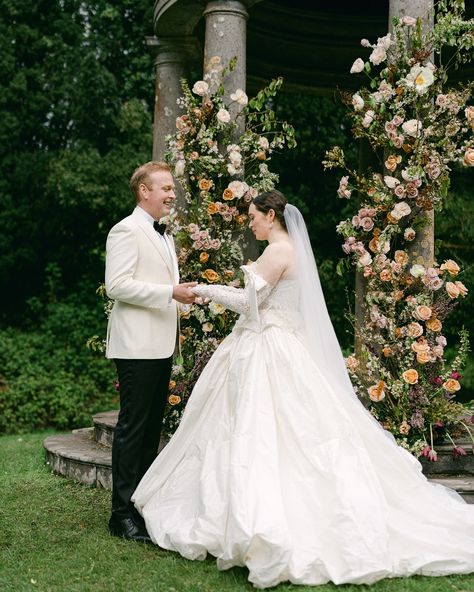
(85, 455)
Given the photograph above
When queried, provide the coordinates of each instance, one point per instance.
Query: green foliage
(48, 377)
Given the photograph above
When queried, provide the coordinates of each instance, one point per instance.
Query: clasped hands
(184, 293)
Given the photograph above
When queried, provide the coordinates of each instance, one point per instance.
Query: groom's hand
(182, 292)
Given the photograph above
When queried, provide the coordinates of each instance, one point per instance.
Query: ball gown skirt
(273, 469)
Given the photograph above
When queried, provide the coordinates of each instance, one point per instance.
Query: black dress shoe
(127, 529)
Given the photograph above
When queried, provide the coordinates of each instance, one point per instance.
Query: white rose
(235, 157)
(233, 147)
(420, 78)
(365, 260)
(368, 118)
(391, 182)
(238, 188)
(401, 209)
(412, 127)
(223, 116)
(216, 308)
(357, 102)
(385, 41)
(179, 168)
(417, 270)
(365, 43)
(357, 66)
(263, 143)
(240, 97)
(378, 55)
(200, 88)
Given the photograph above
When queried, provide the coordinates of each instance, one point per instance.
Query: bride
(276, 465)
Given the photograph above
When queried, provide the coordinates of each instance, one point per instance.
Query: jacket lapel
(157, 243)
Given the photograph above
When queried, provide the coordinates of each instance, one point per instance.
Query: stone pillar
(421, 250)
(226, 37)
(172, 56)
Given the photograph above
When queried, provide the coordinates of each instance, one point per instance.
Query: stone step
(463, 484)
(446, 464)
(80, 457)
(104, 426)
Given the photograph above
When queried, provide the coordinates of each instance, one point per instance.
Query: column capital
(234, 7)
(174, 49)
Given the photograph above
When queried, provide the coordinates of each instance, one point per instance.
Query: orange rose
(399, 332)
(203, 257)
(385, 275)
(172, 384)
(182, 339)
(228, 194)
(377, 391)
(462, 288)
(451, 267)
(397, 295)
(204, 184)
(174, 399)
(241, 219)
(451, 385)
(261, 155)
(410, 376)
(401, 257)
(433, 324)
(210, 275)
(387, 351)
(374, 244)
(391, 219)
(212, 208)
(452, 290)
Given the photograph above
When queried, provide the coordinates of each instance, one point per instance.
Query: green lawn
(53, 536)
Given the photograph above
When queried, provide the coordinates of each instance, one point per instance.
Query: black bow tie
(159, 227)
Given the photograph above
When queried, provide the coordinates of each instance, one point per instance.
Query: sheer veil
(321, 338)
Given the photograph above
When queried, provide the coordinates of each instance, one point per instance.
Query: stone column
(172, 56)
(421, 250)
(226, 37)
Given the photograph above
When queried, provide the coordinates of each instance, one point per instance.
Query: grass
(53, 537)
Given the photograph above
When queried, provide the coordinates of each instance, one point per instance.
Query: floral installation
(418, 129)
(219, 154)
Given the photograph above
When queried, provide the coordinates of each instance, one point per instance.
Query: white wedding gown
(273, 469)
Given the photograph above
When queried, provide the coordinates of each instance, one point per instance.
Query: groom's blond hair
(142, 175)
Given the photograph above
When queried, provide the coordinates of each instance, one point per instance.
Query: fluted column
(172, 56)
(421, 250)
(226, 37)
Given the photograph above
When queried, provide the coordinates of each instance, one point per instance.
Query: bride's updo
(272, 200)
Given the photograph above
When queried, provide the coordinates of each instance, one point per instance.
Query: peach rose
(377, 391)
(228, 194)
(385, 275)
(401, 257)
(451, 267)
(207, 327)
(203, 257)
(387, 351)
(452, 290)
(397, 295)
(423, 357)
(410, 376)
(172, 384)
(462, 288)
(212, 208)
(420, 346)
(434, 324)
(404, 428)
(182, 339)
(174, 399)
(241, 219)
(352, 363)
(204, 184)
(468, 159)
(210, 275)
(392, 162)
(422, 312)
(414, 330)
(451, 385)
(261, 155)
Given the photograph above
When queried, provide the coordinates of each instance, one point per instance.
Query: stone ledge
(464, 485)
(104, 426)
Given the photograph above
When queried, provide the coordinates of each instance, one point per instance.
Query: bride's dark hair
(272, 200)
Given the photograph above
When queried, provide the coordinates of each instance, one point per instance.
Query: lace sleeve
(241, 300)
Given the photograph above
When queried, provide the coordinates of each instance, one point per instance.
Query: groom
(142, 277)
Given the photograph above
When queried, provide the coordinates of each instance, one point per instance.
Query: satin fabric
(273, 469)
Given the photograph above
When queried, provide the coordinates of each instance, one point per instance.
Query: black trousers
(143, 394)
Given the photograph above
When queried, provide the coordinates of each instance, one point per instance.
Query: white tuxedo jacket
(139, 274)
